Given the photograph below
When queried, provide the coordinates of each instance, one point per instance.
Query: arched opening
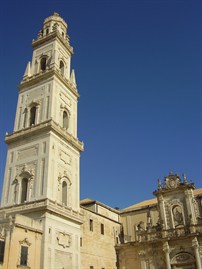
(64, 193)
(65, 120)
(24, 185)
(32, 115)
(47, 31)
(43, 64)
(62, 67)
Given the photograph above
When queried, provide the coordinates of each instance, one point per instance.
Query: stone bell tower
(42, 169)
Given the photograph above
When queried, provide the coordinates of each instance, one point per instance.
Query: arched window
(32, 115)
(65, 120)
(62, 67)
(47, 31)
(64, 193)
(43, 64)
(24, 185)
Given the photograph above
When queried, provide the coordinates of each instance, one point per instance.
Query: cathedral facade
(43, 223)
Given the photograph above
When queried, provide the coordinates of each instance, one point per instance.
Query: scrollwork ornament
(195, 243)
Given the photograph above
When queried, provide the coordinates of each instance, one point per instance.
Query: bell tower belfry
(42, 169)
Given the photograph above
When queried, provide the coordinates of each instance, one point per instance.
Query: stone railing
(44, 204)
(154, 235)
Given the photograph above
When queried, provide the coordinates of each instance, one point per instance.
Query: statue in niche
(177, 215)
(141, 226)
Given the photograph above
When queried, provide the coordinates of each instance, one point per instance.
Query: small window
(2, 248)
(102, 228)
(43, 64)
(47, 31)
(91, 225)
(24, 190)
(63, 34)
(64, 193)
(81, 241)
(65, 120)
(24, 255)
(62, 67)
(91, 267)
(32, 115)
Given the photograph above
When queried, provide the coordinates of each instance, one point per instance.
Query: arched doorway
(183, 260)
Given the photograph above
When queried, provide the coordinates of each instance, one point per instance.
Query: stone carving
(64, 239)
(182, 257)
(25, 242)
(66, 158)
(172, 181)
(63, 176)
(141, 226)
(177, 215)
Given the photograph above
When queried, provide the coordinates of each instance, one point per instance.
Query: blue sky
(138, 71)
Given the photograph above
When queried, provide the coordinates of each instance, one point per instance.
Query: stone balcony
(154, 235)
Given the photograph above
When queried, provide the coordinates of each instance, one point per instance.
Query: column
(142, 256)
(166, 250)
(195, 245)
(189, 203)
(163, 211)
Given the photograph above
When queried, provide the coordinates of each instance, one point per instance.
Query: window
(43, 64)
(65, 120)
(91, 225)
(102, 228)
(62, 67)
(24, 190)
(2, 247)
(91, 267)
(47, 31)
(64, 193)
(32, 115)
(24, 255)
(81, 241)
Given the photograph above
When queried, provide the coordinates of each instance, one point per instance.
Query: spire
(73, 78)
(27, 71)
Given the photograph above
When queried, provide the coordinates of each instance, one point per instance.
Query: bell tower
(43, 160)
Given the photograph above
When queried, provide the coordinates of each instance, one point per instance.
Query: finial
(159, 184)
(184, 178)
(56, 14)
(171, 173)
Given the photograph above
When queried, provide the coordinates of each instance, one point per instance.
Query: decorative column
(166, 250)
(189, 203)
(143, 264)
(195, 245)
(163, 211)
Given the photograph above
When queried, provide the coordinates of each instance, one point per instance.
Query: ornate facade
(43, 225)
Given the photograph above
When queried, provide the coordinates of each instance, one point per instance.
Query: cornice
(46, 205)
(43, 127)
(181, 187)
(51, 37)
(43, 76)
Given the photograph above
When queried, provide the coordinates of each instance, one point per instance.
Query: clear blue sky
(138, 70)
